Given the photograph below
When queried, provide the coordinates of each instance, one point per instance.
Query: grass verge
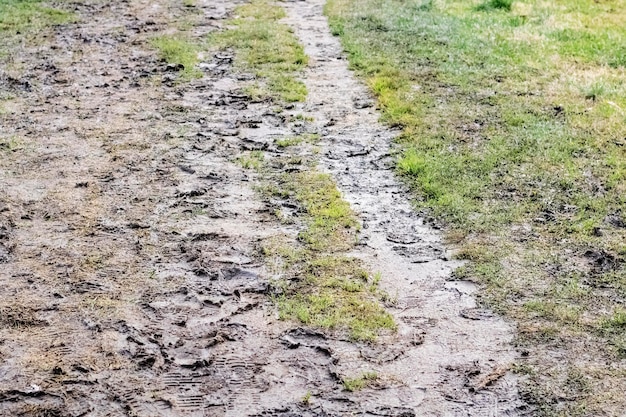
(513, 116)
(267, 47)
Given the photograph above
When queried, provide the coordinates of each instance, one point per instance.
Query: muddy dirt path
(131, 279)
(463, 344)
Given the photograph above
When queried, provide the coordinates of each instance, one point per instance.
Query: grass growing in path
(359, 382)
(22, 22)
(514, 127)
(326, 288)
(178, 50)
(267, 47)
(29, 16)
(316, 283)
(251, 160)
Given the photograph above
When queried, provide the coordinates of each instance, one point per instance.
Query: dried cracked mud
(131, 277)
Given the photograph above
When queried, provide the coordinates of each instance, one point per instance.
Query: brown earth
(131, 281)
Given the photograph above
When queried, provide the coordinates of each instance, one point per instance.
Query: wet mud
(131, 277)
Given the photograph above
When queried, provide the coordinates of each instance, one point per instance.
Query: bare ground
(131, 277)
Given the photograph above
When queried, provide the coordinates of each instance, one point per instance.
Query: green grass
(316, 283)
(332, 225)
(359, 382)
(283, 143)
(330, 290)
(252, 160)
(513, 118)
(29, 16)
(496, 4)
(296, 140)
(177, 49)
(267, 47)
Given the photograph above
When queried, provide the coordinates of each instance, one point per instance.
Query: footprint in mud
(476, 314)
(381, 354)
(404, 238)
(302, 337)
(419, 254)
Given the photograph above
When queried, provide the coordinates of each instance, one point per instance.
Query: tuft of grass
(328, 290)
(297, 140)
(332, 224)
(283, 143)
(360, 382)
(252, 160)
(595, 91)
(267, 47)
(363, 319)
(512, 135)
(496, 4)
(30, 16)
(303, 117)
(616, 322)
(178, 50)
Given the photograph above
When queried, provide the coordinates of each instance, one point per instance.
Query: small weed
(306, 400)
(198, 211)
(303, 117)
(522, 369)
(252, 160)
(360, 382)
(595, 91)
(18, 16)
(178, 50)
(512, 120)
(94, 261)
(297, 140)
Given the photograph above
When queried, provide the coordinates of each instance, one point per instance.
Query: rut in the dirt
(131, 282)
